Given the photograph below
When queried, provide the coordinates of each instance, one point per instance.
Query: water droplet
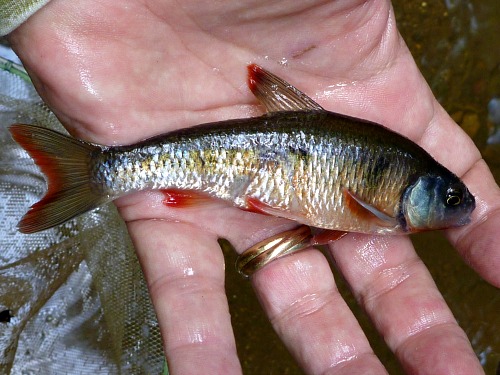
(188, 271)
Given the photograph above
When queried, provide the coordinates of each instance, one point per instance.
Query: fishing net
(72, 299)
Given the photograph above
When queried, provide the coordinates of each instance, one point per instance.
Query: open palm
(119, 72)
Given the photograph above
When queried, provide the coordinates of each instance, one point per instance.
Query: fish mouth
(471, 205)
(464, 219)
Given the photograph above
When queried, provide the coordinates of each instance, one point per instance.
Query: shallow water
(456, 45)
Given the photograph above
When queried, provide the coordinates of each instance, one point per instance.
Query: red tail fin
(65, 163)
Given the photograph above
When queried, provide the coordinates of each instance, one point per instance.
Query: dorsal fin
(276, 94)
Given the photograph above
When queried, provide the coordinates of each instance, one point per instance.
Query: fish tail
(65, 161)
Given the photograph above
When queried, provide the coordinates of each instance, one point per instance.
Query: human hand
(117, 73)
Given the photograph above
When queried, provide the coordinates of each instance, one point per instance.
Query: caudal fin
(65, 161)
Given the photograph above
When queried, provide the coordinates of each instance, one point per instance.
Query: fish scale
(310, 181)
(298, 161)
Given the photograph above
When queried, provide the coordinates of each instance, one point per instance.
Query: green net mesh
(73, 299)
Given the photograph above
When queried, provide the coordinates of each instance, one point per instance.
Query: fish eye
(454, 196)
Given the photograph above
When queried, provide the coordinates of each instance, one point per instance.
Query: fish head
(436, 202)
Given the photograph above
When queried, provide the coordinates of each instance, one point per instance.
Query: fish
(297, 161)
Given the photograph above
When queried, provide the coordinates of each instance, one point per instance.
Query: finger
(184, 269)
(243, 229)
(421, 118)
(477, 242)
(320, 331)
(395, 288)
(299, 295)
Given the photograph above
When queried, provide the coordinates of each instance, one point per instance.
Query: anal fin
(324, 237)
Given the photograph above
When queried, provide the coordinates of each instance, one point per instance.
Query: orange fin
(276, 94)
(184, 198)
(362, 209)
(255, 205)
(65, 162)
(324, 237)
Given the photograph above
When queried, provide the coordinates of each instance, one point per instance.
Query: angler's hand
(117, 72)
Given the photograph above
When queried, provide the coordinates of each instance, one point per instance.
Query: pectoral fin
(364, 209)
(276, 94)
